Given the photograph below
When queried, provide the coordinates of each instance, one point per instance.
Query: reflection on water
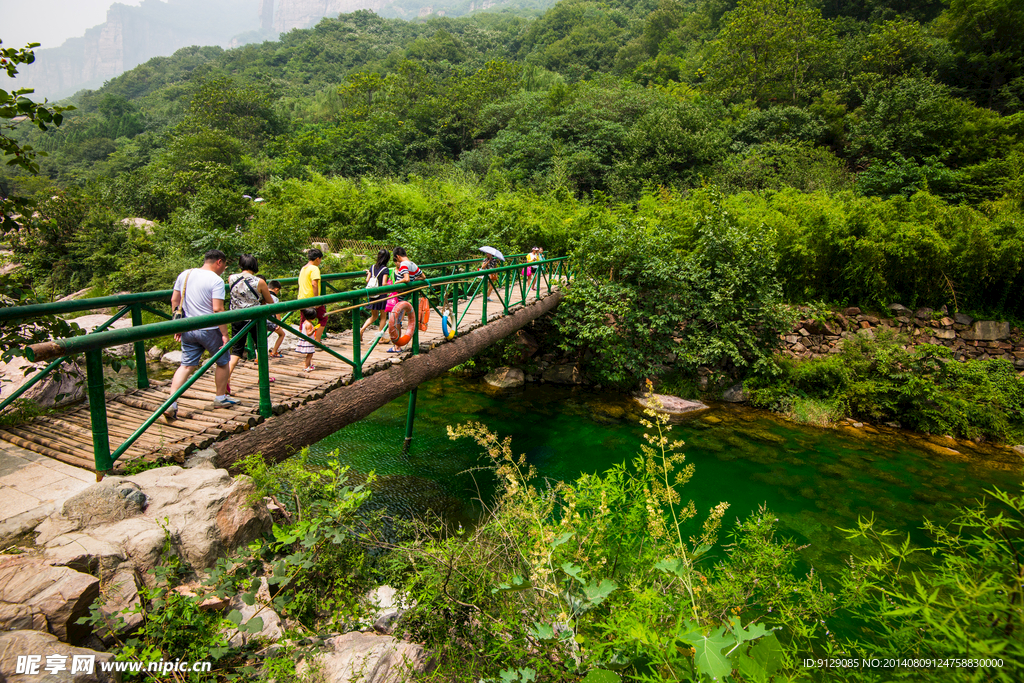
(815, 480)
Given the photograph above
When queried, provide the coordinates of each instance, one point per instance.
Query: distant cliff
(133, 35)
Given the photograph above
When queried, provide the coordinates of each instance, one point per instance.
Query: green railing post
(141, 374)
(98, 410)
(483, 301)
(539, 267)
(357, 353)
(416, 323)
(508, 291)
(456, 293)
(263, 363)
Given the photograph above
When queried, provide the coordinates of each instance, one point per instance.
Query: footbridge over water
(282, 407)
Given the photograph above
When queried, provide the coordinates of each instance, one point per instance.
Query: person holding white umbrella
(491, 261)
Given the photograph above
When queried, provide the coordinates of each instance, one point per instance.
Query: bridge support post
(357, 352)
(141, 373)
(410, 416)
(263, 365)
(98, 412)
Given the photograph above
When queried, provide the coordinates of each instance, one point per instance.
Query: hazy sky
(50, 22)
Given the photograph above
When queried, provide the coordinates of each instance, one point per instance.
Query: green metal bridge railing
(138, 302)
(458, 285)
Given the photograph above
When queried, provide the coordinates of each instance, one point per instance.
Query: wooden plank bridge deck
(67, 436)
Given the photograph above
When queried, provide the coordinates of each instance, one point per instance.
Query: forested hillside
(878, 145)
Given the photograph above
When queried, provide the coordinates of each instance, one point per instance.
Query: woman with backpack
(377, 276)
(246, 291)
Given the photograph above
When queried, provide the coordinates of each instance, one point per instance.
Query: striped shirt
(409, 268)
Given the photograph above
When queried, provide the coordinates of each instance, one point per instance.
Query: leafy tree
(671, 144)
(730, 292)
(624, 308)
(768, 49)
(16, 107)
(986, 36)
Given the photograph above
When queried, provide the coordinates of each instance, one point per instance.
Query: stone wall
(967, 337)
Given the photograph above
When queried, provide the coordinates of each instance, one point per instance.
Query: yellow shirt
(307, 276)
(531, 257)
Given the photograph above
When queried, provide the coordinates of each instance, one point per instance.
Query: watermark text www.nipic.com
(33, 665)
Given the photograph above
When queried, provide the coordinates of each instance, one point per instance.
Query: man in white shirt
(203, 294)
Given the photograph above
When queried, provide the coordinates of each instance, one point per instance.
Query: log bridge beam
(285, 434)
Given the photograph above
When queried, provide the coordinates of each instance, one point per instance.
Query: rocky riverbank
(818, 336)
(103, 548)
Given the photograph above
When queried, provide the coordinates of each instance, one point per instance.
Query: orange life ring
(424, 315)
(395, 323)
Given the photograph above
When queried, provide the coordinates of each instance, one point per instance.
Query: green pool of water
(815, 480)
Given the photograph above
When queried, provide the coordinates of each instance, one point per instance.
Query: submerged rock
(564, 374)
(676, 408)
(735, 394)
(505, 378)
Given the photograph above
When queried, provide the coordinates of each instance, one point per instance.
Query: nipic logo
(31, 664)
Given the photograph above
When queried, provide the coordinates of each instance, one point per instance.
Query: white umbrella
(493, 252)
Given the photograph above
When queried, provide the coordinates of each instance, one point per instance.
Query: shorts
(194, 342)
(271, 326)
(238, 349)
(321, 316)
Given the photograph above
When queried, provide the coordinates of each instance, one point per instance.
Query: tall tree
(767, 48)
(987, 36)
(15, 108)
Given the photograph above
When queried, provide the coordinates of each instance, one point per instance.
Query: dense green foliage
(821, 113)
(920, 387)
(864, 153)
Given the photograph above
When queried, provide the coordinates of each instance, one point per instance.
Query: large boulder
(368, 658)
(735, 394)
(505, 378)
(273, 627)
(171, 358)
(67, 664)
(200, 513)
(388, 606)
(66, 384)
(527, 345)
(564, 374)
(60, 594)
(17, 617)
(987, 330)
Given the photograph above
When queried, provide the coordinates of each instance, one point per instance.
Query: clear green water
(815, 480)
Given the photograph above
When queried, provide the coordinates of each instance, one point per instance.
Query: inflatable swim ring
(448, 334)
(401, 309)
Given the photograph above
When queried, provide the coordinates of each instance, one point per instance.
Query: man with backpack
(200, 291)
